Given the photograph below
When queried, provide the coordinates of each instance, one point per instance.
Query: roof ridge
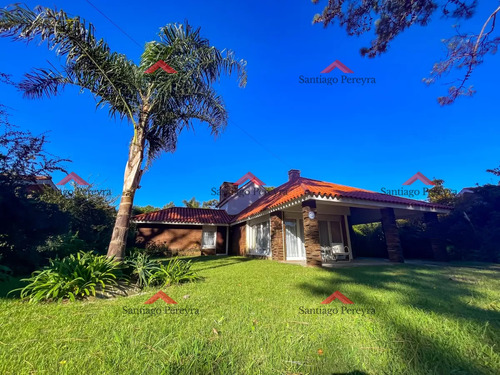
(334, 183)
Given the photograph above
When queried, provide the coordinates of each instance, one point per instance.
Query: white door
(295, 249)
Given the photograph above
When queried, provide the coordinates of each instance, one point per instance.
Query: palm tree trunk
(133, 174)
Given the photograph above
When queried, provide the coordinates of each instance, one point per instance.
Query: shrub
(73, 277)
(176, 271)
(144, 271)
(158, 249)
(62, 245)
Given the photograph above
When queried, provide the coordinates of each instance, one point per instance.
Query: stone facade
(311, 234)
(392, 235)
(277, 244)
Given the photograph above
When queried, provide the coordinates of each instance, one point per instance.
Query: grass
(428, 320)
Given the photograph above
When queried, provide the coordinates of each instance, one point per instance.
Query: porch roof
(302, 187)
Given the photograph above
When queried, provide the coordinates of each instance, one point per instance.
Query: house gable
(242, 198)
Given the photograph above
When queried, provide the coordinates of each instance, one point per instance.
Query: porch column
(277, 235)
(311, 234)
(391, 235)
(437, 242)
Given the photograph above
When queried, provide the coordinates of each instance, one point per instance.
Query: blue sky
(369, 136)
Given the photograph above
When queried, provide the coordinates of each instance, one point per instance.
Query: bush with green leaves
(176, 271)
(74, 277)
(144, 271)
(61, 245)
(157, 249)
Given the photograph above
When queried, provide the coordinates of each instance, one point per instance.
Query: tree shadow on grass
(440, 292)
(217, 261)
(430, 290)
(11, 284)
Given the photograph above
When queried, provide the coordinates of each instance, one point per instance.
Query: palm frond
(90, 64)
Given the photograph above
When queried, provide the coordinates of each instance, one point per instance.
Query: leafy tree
(439, 194)
(389, 18)
(192, 203)
(51, 224)
(472, 227)
(26, 222)
(22, 154)
(90, 215)
(210, 204)
(137, 210)
(169, 205)
(495, 171)
(158, 105)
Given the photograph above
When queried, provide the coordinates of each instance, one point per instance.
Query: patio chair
(340, 252)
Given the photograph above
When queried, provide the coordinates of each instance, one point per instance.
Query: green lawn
(427, 320)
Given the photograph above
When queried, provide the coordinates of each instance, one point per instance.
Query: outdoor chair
(337, 251)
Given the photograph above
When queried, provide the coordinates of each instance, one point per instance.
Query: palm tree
(158, 105)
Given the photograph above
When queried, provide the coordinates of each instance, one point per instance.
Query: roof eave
(339, 199)
(176, 222)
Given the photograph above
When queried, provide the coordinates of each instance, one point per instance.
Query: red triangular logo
(161, 294)
(249, 176)
(160, 64)
(73, 176)
(337, 64)
(339, 296)
(418, 176)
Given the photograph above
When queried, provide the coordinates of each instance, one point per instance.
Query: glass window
(209, 237)
(324, 238)
(260, 238)
(330, 232)
(336, 231)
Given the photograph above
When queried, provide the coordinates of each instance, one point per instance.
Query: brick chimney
(293, 174)
(227, 189)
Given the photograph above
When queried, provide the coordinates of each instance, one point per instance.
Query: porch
(317, 232)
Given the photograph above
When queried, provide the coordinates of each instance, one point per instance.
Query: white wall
(243, 198)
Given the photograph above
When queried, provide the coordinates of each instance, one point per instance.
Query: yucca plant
(141, 268)
(73, 277)
(176, 271)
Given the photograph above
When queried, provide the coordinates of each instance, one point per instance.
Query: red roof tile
(304, 186)
(186, 215)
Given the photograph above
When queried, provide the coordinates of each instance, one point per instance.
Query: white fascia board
(350, 202)
(361, 203)
(176, 223)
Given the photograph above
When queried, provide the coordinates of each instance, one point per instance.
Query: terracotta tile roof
(186, 215)
(304, 186)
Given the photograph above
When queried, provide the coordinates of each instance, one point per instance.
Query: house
(302, 220)
(31, 184)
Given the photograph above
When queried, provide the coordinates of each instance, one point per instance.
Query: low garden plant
(140, 268)
(176, 271)
(73, 277)
(145, 271)
(78, 276)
